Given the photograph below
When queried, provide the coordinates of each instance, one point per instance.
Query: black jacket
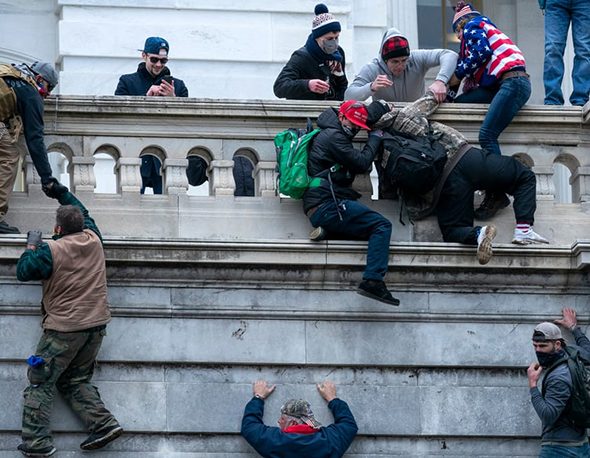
(302, 67)
(330, 147)
(138, 83)
(29, 105)
(270, 442)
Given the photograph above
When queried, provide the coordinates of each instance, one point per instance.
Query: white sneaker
(527, 237)
(484, 243)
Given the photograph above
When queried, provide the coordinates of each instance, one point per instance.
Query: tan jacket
(75, 296)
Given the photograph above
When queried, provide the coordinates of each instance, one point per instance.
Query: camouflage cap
(299, 408)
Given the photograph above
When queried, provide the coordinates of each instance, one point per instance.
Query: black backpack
(578, 406)
(415, 163)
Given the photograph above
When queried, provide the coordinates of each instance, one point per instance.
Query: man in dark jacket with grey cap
(560, 438)
(299, 434)
(22, 91)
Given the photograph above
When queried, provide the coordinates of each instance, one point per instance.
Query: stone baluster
(175, 172)
(129, 175)
(32, 178)
(580, 182)
(222, 178)
(265, 178)
(545, 185)
(84, 179)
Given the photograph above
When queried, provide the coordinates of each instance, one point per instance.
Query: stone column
(545, 185)
(403, 15)
(222, 178)
(129, 175)
(83, 171)
(265, 179)
(580, 182)
(175, 173)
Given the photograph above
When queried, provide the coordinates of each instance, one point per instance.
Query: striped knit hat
(323, 22)
(463, 10)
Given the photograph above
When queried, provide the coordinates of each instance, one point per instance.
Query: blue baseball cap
(154, 44)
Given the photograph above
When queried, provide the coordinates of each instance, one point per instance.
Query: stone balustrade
(172, 129)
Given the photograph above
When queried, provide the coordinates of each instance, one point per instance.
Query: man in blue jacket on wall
(299, 434)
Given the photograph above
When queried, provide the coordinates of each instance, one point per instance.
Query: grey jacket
(408, 86)
(551, 407)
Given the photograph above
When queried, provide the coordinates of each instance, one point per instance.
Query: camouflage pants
(69, 365)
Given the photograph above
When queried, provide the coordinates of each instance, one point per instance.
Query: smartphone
(168, 79)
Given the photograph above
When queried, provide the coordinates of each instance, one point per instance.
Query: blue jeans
(561, 451)
(359, 222)
(558, 15)
(505, 102)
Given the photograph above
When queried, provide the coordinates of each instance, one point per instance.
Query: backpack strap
(551, 368)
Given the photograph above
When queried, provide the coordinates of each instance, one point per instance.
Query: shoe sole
(39, 454)
(362, 292)
(104, 440)
(317, 235)
(485, 251)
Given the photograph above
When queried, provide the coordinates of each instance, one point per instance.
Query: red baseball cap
(355, 112)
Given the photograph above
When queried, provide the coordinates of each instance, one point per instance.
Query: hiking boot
(317, 234)
(484, 243)
(376, 289)
(47, 451)
(101, 438)
(526, 237)
(5, 228)
(492, 203)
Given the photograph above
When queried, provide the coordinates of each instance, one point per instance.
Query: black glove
(34, 238)
(53, 188)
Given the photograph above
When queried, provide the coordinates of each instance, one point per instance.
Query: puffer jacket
(330, 147)
(292, 82)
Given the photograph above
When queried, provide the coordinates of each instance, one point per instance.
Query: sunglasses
(155, 60)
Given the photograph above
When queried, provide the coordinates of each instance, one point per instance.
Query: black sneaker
(5, 228)
(492, 203)
(101, 438)
(377, 290)
(47, 451)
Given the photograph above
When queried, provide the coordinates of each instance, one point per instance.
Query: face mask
(42, 88)
(330, 46)
(547, 359)
(350, 131)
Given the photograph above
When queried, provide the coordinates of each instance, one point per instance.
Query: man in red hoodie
(299, 433)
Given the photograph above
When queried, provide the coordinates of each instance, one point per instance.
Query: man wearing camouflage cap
(22, 91)
(299, 434)
(560, 437)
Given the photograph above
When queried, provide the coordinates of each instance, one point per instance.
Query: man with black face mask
(560, 437)
(317, 70)
(332, 207)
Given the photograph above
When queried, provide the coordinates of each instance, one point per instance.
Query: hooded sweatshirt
(410, 85)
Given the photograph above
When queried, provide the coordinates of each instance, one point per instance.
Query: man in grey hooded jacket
(397, 75)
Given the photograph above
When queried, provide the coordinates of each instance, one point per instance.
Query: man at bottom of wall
(299, 434)
(564, 434)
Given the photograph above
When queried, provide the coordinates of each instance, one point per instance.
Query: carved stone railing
(125, 127)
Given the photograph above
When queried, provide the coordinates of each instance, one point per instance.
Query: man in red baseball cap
(333, 207)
